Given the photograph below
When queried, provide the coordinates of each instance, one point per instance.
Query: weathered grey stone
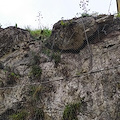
(1, 65)
(11, 36)
(70, 82)
(71, 34)
(1, 84)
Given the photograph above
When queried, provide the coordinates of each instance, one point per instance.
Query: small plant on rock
(46, 52)
(36, 60)
(16, 25)
(64, 23)
(56, 56)
(39, 34)
(36, 71)
(19, 116)
(85, 15)
(0, 25)
(118, 15)
(12, 78)
(35, 92)
(71, 111)
(39, 114)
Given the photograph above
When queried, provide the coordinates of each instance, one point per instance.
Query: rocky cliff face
(37, 83)
(10, 38)
(71, 34)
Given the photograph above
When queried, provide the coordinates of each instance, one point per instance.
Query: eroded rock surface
(92, 81)
(71, 34)
(10, 38)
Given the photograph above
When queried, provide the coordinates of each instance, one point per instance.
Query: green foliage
(36, 60)
(36, 71)
(35, 92)
(12, 78)
(35, 33)
(46, 33)
(19, 116)
(62, 23)
(39, 114)
(16, 25)
(39, 33)
(0, 25)
(78, 73)
(13, 75)
(85, 15)
(46, 52)
(71, 111)
(118, 15)
(57, 57)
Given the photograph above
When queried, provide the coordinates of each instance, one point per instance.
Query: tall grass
(39, 33)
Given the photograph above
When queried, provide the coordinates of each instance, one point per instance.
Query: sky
(45, 13)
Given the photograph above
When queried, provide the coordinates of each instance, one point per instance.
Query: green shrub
(57, 57)
(36, 59)
(12, 78)
(39, 33)
(36, 71)
(118, 15)
(35, 33)
(85, 15)
(12, 75)
(16, 25)
(19, 116)
(46, 32)
(0, 25)
(71, 111)
(35, 92)
(65, 23)
(46, 52)
(39, 114)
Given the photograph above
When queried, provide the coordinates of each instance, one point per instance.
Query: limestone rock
(11, 36)
(71, 82)
(71, 34)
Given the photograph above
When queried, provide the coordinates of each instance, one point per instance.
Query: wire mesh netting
(47, 81)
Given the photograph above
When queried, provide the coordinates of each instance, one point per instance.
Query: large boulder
(71, 34)
(11, 37)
